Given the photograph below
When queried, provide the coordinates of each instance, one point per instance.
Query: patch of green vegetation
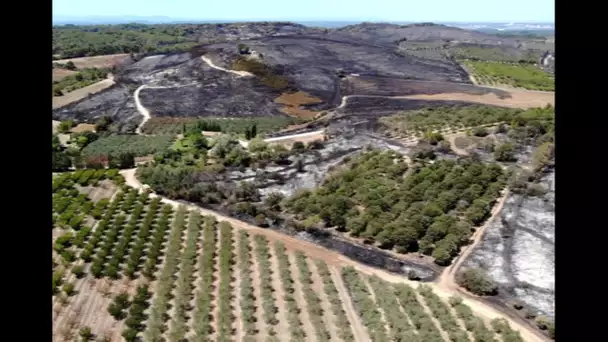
(135, 144)
(515, 75)
(71, 41)
(267, 76)
(81, 79)
(478, 53)
(432, 210)
(239, 126)
(535, 125)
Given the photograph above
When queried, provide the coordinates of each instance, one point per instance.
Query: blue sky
(363, 10)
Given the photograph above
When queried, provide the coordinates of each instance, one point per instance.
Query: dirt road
(236, 72)
(443, 289)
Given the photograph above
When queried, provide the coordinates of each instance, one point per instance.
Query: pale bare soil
(519, 98)
(83, 127)
(444, 288)
(261, 326)
(59, 74)
(105, 61)
(79, 94)
(89, 307)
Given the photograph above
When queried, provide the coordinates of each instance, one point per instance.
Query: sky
(322, 10)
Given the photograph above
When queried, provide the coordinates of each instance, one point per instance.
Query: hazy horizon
(481, 11)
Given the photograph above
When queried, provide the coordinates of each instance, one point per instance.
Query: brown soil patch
(300, 113)
(293, 101)
(79, 94)
(83, 127)
(519, 98)
(105, 61)
(59, 74)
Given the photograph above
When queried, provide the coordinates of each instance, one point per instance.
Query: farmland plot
(130, 268)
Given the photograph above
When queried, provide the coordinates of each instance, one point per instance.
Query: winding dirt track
(444, 288)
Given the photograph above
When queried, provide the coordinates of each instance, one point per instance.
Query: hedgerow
(160, 305)
(344, 328)
(206, 268)
(427, 331)
(120, 249)
(247, 300)
(442, 312)
(472, 323)
(184, 290)
(313, 302)
(137, 250)
(268, 301)
(293, 318)
(364, 305)
(502, 327)
(135, 322)
(226, 261)
(400, 328)
(159, 235)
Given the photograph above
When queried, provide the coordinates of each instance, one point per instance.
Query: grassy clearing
(293, 101)
(135, 144)
(514, 75)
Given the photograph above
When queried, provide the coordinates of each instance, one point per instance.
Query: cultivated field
(517, 99)
(293, 101)
(105, 61)
(79, 94)
(129, 265)
(138, 145)
(524, 76)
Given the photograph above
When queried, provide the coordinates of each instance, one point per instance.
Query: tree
(433, 137)
(300, 165)
(273, 201)
(70, 66)
(479, 132)
(543, 156)
(476, 281)
(444, 147)
(505, 152)
(60, 161)
(65, 126)
(297, 146)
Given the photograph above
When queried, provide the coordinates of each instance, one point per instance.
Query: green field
(514, 75)
(136, 144)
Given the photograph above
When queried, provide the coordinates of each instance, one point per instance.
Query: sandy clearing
(59, 74)
(479, 307)
(328, 316)
(519, 98)
(299, 296)
(79, 94)
(360, 332)
(103, 61)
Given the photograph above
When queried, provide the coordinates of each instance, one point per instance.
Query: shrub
(68, 289)
(297, 146)
(78, 271)
(476, 281)
(479, 132)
